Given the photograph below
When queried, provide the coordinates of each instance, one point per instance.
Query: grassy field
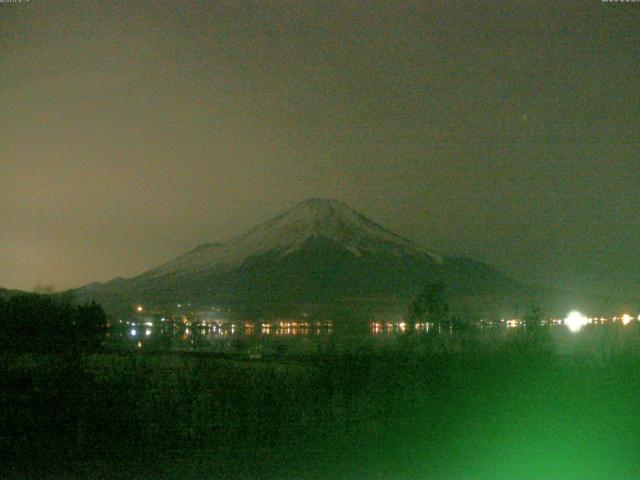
(510, 413)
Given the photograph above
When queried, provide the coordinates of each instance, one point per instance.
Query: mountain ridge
(319, 251)
(287, 231)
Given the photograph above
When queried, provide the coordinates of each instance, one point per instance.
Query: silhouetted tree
(43, 289)
(430, 305)
(532, 316)
(537, 336)
(90, 322)
(49, 322)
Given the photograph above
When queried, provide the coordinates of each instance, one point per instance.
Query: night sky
(504, 131)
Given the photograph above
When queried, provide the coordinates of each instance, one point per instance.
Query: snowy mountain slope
(286, 233)
(320, 251)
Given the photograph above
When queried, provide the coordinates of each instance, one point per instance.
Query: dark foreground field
(509, 414)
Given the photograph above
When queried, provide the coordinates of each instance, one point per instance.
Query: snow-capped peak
(314, 218)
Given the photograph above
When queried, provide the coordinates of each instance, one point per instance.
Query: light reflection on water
(220, 337)
(258, 338)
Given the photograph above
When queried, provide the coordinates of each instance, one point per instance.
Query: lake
(296, 337)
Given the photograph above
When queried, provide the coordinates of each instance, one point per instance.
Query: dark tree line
(35, 322)
(430, 305)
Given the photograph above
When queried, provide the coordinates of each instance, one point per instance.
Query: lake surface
(283, 338)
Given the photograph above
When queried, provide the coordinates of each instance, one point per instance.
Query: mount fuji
(321, 251)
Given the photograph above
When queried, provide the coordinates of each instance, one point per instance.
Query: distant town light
(133, 332)
(139, 308)
(575, 321)
(626, 319)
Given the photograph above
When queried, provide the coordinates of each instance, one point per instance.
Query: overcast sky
(504, 131)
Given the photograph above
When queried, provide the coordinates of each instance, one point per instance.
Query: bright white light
(626, 318)
(147, 332)
(139, 308)
(575, 321)
(133, 332)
